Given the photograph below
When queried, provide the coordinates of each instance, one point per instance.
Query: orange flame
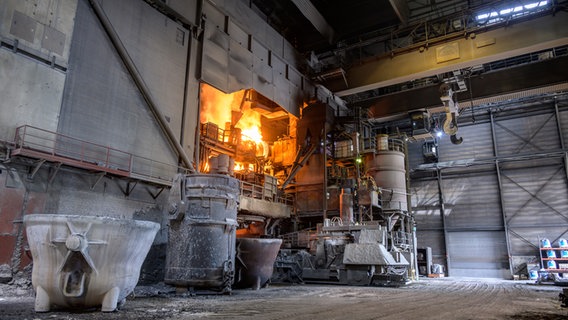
(218, 107)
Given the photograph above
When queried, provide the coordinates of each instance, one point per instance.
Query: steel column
(443, 213)
(559, 127)
(500, 186)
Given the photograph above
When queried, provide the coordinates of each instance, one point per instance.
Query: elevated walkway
(47, 146)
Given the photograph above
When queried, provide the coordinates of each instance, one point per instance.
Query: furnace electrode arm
(451, 109)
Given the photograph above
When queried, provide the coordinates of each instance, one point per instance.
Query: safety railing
(256, 191)
(43, 144)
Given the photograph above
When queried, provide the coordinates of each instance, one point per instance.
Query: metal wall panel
(426, 205)
(275, 42)
(563, 115)
(536, 133)
(31, 94)
(43, 28)
(281, 84)
(529, 192)
(158, 47)
(309, 90)
(524, 241)
(289, 53)
(295, 77)
(240, 67)
(472, 202)
(281, 90)
(101, 103)
(214, 17)
(215, 59)
(535, 197)
(415, 154)
(477, 144)
(435, 240)
(187, 8)
(252, 23)
(238, 34)
(478, 254)
(262, 72)
(232, 71)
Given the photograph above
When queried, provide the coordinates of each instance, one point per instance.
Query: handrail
(256, 191)
(37, 142)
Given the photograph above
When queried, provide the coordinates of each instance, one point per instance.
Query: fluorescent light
(506, 11)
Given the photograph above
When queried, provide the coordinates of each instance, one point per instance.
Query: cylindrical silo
(387, 167)
(201, 244)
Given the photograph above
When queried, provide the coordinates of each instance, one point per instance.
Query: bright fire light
(220, 108)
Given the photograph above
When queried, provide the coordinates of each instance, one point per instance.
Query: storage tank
(201, 243)
(387, 167)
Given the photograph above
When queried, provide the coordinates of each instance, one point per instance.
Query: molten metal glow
(241, 166)
(219, 108)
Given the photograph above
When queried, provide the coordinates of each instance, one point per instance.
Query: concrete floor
(445, 298)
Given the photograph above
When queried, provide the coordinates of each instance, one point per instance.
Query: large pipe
(137, 77)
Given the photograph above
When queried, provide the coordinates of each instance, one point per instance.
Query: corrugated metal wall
(501, 190)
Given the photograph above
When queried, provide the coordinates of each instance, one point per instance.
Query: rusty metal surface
(255, 261)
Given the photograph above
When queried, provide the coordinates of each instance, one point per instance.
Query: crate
(435, 275)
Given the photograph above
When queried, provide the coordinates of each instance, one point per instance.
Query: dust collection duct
(83, 262)
(201, 243)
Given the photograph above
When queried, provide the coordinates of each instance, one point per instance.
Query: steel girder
(466, 51)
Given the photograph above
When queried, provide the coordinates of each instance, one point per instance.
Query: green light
(358, 160)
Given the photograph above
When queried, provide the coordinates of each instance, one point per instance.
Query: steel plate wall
(215, 59)
(472, 202)
(536, 133)
(496, 211)
(262, 72)
(187, 8)
(31, 94)
(240, 66)
(426, 205)
(241, 53)
(563, 115)
(535, 201)
(101, 103)
(42, 28)
(32, 90)
(477, 144)
(430, 226)
(158, 47)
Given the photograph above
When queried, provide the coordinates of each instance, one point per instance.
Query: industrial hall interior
(268, 159)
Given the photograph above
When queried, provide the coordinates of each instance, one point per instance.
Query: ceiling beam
(316, 19)
(483, 88)
(511, 40)
(400, 7)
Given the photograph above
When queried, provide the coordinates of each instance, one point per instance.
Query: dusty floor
(446, 298)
